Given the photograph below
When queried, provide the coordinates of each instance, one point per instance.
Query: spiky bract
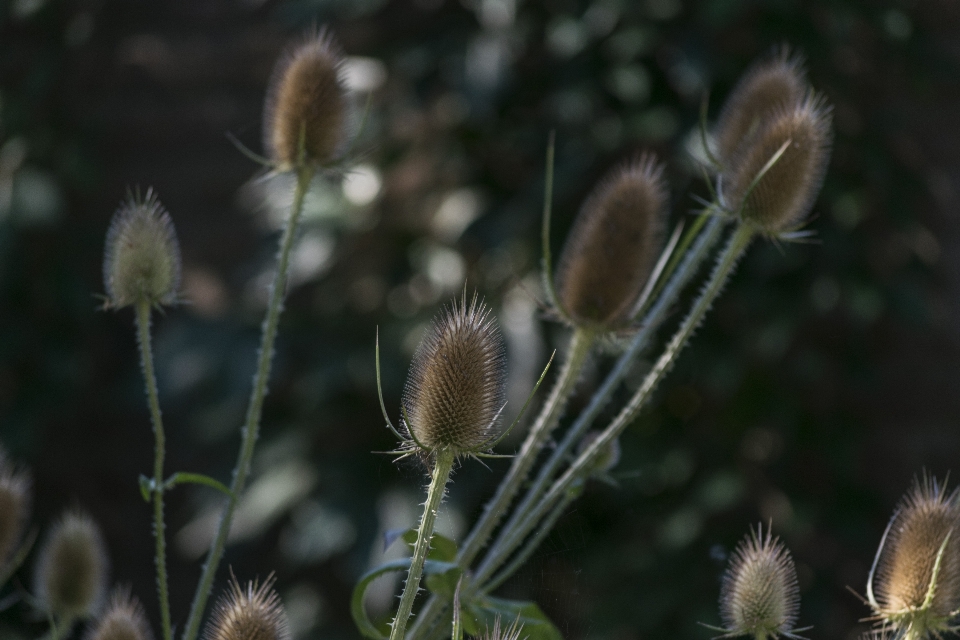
(71, 569)
(142, 257)
(457, 381)
(613, 246)
(759, 596)
(503, 633)
(249, 613)
(775, 193)
(123, 619)
(917, 571)
(15, 498)
(306, 96)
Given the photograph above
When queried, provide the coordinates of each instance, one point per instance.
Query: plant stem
(251, 426)
(438, 483)
(159, 452)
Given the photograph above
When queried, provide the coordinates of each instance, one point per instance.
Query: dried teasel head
(776, 174)
(915, 581)
(141, 260)
(759, 596)
(71, 570)
(456, 386)
(253, 612)
(770, 85)
(123, 619)
(613, 246)
(307, 99)
(15, 498)
(499, 632)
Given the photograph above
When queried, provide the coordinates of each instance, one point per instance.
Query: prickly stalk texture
(251, 613)
(71, 570)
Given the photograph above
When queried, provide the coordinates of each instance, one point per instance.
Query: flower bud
(306, 97)
(457, 381)
(15, 499)
(142, 257)
(251, 613)
(916, 579)
(773, 193)
(613, 246)
(767, 87)
(71, 569)
(123, 620)
(759, 596)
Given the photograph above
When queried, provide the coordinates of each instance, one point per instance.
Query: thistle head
(141, 260)
(249, 613)
(915, 583)
(759, 595)
(772, 84)
(71, 569)
(306, 109)
(776, 174)
(613, 246)
(123, 619)
(457, 381)
(15, 498)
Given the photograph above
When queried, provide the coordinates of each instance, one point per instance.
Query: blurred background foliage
(822, 382)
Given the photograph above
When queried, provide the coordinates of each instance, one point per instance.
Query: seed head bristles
(141, 257)
(456, 386)
(71, 570)
(503, 633)
(307, 104)
(15, 498)
(759, 595)
(613, 246)
(915, 581)
(251, 613)
(123, 619)
(776, 174)
(770, 85)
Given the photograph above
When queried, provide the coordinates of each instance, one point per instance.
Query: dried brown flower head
(71, 569)
(456, 385)
(123, 619)
(251, 613)
(613, 246)
(15, 498)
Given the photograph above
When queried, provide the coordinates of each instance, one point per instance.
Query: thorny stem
(159, 451)
(251, 426)
(438, 483)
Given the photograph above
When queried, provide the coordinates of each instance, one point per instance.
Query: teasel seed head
(253, 612)
(15, 499)
(775, 176)
(915, 583)
(456, 386)
(71, 569)
(499, 632)
(613, 246)
(770, 85)
(306, 96)
(759, 595)
(609, 455)
(123, 619)
(142, 256)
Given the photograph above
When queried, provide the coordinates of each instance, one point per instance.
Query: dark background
(822, 382)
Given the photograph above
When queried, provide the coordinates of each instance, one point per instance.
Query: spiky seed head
(499, 632)
(759, 595)
(613, 245)
(142, 256)
(253, 612)
(15, 498)
(770, 85)
(71, 569)
(123, 619)
(307, 94)
(457, 381)
(917, 576)
(776, 197)
(609, 456)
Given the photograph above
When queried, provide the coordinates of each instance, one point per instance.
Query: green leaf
(194, 478)
(486, 610)
(146, 487)
(444, 583)
(442, 548)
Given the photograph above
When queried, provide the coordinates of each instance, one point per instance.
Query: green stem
(438, 483)
(251, 426)
(159, 452)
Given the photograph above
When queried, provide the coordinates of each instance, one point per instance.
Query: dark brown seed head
(123, 619)
(15, 498)
(306, 94)
(71, 570)
(769, 86)
(456, 385)
(251, 613)
(921, 556)
(142, 257)
(777, 197)
(759, 595)
(613, 246)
